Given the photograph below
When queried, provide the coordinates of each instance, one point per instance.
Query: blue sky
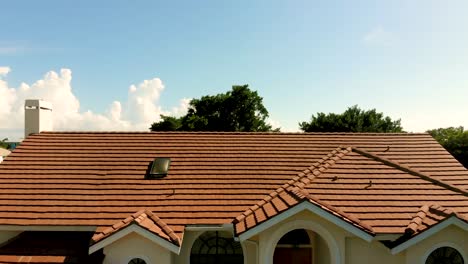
(408, 59)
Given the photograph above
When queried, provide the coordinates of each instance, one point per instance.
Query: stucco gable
(144, 223)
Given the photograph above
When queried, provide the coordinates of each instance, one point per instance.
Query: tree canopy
(454, 140)
(352, 120)
(3, 143)
(240, 109)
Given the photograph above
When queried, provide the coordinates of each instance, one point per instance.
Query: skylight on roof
(159, 167)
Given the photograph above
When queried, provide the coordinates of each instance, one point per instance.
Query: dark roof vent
(159, 167)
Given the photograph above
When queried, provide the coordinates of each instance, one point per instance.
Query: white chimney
(37, 116)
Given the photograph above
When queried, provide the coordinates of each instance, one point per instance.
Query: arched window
(137, 261)
(296, 237)
(294, 247)
(216, 247)
(445, 255)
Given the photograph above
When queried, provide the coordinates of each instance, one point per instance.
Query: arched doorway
(216, 247)
(325, 248)
(294, 247)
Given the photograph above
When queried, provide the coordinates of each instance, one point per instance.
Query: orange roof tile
(428, 216)
(145, 219)
(359, 198)
(97, 178)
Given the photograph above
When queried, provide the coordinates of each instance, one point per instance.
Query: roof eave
(134, 228)
(366, 235)
(452, 220)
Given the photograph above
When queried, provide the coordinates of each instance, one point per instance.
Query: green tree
(167, 123)
(3, 143)
(240, 109)
(352, 120)
(454, 140)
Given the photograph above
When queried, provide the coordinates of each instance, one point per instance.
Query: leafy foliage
(3, 143)
(352, 120)
(237, 110)
(454, 140)
(168, 123)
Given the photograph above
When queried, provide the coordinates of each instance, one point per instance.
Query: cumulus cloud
(379, 36)
(274, 123)
(4, 70)
(137, 113)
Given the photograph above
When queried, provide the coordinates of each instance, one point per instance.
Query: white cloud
(137, 113)
(379, 36)
(4, 70)
(274, 123)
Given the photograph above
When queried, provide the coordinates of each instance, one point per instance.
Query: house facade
(91, 197)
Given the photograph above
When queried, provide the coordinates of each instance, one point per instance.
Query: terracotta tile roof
(428, 216)
(49, 247)
(372, 198)
(145, 219)
(97, 179)
(293, 193)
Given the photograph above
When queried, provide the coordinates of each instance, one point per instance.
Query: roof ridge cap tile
(306, 176)
(295, 185)
(426, 209)
(417, 220)
(165, 227)
(137, 218)
(447, 212)
(410, 171)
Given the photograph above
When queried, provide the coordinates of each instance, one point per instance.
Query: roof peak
(155, 225)
(416, 224)
(295, 187)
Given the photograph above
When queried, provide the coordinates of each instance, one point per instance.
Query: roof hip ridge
(427, 209)
(296, 185)
(321, 165)
(417, 219)
(165, 227)
(409, 170)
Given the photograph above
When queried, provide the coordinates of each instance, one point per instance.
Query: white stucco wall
(321, 252)
(327, 232)
(451, 236)
(250, 248)
(331, 245)
(187, 242)
(136, 246)
(359, 251)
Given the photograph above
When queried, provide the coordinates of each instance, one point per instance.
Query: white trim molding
(313, 209)
(332, 243)
(453, 220)
(138, 230)
(444, 244)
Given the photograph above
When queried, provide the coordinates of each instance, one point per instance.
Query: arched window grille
(445, 255)
(216, 247)
(137, 261)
